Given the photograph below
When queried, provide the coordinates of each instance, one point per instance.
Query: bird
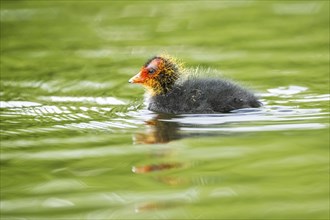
(169, 91)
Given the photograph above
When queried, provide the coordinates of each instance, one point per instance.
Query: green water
(78, 143)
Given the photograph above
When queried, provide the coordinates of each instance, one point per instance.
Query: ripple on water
(314, 98)
(108, 200)
(17, 104)
(97, 125)
(82, 99)
(56, 117)
(103, 116)
(289, 90)
(54, 86)
(267, 114)
(261, 128)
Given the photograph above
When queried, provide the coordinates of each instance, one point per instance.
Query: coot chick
(169, 93)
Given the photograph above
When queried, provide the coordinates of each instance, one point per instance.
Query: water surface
(77, 141)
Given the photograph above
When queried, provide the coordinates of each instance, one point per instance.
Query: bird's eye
(151, 71)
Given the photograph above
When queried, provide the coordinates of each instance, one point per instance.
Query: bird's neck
(164, 83)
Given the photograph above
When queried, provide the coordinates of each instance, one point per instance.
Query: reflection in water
(164, 128)
(159, 130)
(154, 206)
(155, 167)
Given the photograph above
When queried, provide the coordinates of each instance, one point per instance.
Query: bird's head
(158, 74)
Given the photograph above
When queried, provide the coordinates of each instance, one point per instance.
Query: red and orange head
(158, 74)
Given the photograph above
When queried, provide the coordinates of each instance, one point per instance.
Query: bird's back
(203, 96)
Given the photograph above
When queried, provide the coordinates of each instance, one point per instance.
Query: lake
(77, 141)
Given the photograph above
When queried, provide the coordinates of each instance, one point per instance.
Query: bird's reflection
(160, 129)
(155, 167)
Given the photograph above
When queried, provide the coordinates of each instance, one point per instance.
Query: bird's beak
(136, 79)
